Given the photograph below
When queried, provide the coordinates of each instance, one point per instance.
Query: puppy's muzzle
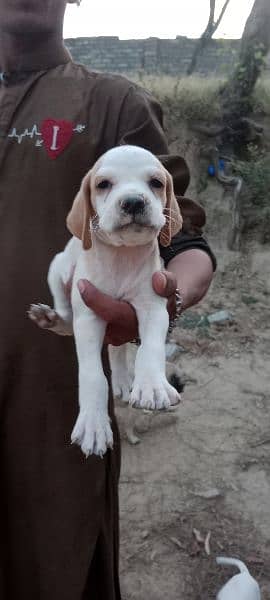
(133, 205)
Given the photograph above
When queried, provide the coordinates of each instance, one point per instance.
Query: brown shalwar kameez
(58, 511)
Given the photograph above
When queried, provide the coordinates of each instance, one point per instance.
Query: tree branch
(221, 14)
(211, 16)
(207, 34)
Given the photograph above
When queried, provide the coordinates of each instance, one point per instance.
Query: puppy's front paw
(92, 432)
(44, 316)
(155, 394)
(47, 318)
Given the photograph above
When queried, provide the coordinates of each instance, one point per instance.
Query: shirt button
(3, 78)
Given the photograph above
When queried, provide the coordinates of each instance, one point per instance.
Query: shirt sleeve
(141, 124)
(183, 241)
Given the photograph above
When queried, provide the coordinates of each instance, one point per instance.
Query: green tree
(255, 44)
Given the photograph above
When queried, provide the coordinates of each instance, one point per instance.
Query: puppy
(124, 203)
(241, 586)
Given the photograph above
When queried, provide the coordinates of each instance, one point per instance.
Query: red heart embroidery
(56, 136)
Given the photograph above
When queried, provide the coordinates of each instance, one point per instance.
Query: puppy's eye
(156, 183)
(104, 184)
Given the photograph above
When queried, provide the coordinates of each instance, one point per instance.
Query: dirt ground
(205, 467)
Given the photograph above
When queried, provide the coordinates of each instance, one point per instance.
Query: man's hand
(120, 315)
(165, 283)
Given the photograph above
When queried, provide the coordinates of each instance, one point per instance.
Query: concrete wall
(152, 55)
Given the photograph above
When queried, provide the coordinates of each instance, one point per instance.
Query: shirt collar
(30, 65)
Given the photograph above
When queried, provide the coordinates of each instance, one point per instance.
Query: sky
(144, 18)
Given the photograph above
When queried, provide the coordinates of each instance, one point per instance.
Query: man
(59, 512)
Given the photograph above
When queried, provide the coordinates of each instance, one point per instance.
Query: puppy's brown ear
(172, 214)
(78, 219)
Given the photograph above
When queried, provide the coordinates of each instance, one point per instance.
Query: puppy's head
(126, 199)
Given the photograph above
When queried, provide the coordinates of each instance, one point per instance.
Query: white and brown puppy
(241, 586)
(124, 203)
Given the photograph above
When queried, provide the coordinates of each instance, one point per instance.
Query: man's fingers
(107, 308)
(164, 283)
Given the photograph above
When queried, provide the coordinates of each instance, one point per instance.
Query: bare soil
(207, 465)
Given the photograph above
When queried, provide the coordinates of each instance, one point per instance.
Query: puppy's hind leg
(122, 365)
(122, 377)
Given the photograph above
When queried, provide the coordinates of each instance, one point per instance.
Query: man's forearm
(194, 272)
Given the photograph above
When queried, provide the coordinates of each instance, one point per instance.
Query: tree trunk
(236, 96)
(207, 35)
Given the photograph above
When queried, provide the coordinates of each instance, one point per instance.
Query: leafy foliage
(256, 175)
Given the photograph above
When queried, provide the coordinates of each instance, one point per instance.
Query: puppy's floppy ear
(172, 214)
(78, 219)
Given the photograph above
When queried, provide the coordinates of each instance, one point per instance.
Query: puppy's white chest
(124, 272)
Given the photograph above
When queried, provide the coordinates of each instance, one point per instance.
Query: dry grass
(192, 98)
(187, 97)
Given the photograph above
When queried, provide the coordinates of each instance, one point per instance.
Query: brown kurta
(59, 512)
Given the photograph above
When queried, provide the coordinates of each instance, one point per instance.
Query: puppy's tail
(175, 380)
(221, 560)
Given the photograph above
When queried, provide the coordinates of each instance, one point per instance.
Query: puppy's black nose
(133, 205)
